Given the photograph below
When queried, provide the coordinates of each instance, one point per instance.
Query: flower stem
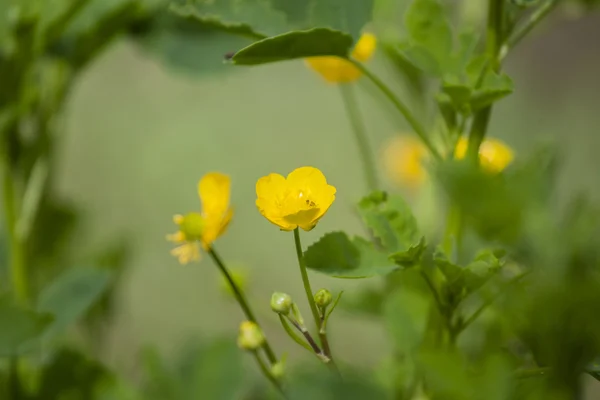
(400, 106)
(267, 372)
(18, 267)
(241, 299)
(360, 135)
(305, 281)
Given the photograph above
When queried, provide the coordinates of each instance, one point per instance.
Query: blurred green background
(140, 134)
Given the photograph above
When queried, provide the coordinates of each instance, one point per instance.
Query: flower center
(192, 226)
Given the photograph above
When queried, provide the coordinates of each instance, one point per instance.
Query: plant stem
(400, 106)
(533, 21)
(267, 373)
(360, 135)
(242, 301)
(305, 281)
(293, 334)
(18, 267)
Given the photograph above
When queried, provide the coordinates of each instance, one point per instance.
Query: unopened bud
(250, 337)
(192, 226)
(323, 298)
(281, 303)
(278, 370)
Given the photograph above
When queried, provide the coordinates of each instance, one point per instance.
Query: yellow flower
(299, 200)
(403, 158)
(196, 229)
(494, 155)
(337, 70)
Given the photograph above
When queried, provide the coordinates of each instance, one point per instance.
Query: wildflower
(338, 70)
(494, 155)
(403, 158)
(299, 200)
(250, 337)
(202, 229)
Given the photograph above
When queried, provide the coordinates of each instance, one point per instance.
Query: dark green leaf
(71, 295)
(406, 313)
(410, 257)
(391, 221)
(18, 325)
(294, 45)
(338, 256)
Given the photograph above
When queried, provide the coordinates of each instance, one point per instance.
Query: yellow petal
(215, 227)
(365, 47)
(214, 190)
(186, 252)
(460, 151)
(494, 155)
(334, 69)
(177, 237)
(303, 218)
(403, 159)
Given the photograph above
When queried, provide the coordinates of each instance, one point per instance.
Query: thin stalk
(305, 280)
(18, 267)
(242, 301)
(360, 136)
(401, 107)
(267, 373)
(293, 334)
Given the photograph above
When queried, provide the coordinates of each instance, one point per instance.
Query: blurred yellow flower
(203, 228)
(404, 158)
(338, 70)
(494, 155)
(299, 200)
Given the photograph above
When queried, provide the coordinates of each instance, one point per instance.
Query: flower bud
(296, 315)
(192, 226)
(281, 303)
(323, 298)
(250, 337)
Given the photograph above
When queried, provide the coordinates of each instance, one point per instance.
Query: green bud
(323, 298)
(297, 316)
(192, 226)
(278, 370)
(281, 303)
(250, 337)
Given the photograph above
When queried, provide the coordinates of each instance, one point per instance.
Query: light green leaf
(71, 295)
(338, 256)
(18, 325)
(410, 257)
(406, 313)
(294, 45)
(343, 15)
(428, 28)
(495, 87)
(391, 221)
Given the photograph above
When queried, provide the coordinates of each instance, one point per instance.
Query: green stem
(401, 107)
(533, 21)
(267, 373)
(360, 135)
(18, 267)
(305, 281)
(242, 301)
(293, 334)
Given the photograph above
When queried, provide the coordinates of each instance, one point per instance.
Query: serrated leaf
(336, 255)
(411, 256)
(70, 295)
(19, 325)
(295, 45)
(390, 219)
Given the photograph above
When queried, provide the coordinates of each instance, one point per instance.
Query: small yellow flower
(202, 229)
(337, 70)
(250, 336)
(299, 200)
(494, 155)
(403, 158)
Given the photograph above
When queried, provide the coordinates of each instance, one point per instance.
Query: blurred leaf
(314, 385)
(342, 15)
(391, 221)
(495, 86)
(410, 257)
(367, 301)
(71, 295)
(446, 375)
(19, 325)
(406, 314)
(338, 256)
(71, 375)
(294, 45)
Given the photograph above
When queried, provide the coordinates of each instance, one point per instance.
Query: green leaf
(294, 45)
(342, 15)
(446, 375)
(406, 313)
(18, 326)
(338, 256)
(495, 87)
(429, 31)
(410, 257)
(391, 221)
(71, 295)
